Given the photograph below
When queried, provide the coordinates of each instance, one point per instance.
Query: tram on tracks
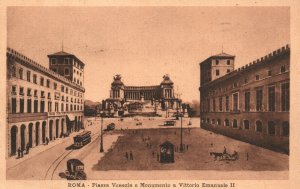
(82, 139)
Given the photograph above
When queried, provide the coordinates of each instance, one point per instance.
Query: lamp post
(181, 145)
(101, 135)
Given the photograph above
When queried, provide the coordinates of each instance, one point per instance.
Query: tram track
(54, 165)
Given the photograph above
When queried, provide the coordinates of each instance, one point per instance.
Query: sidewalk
(14, 160)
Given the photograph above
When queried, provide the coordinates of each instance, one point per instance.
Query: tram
(82, 139)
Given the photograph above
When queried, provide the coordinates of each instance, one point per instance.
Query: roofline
(215, 56)
(13, 53)
(264, 59)
(52, 55)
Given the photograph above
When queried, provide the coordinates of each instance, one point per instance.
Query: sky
(144, 43)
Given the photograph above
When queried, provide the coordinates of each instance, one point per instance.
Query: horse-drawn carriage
(225, 156)
(75, 170)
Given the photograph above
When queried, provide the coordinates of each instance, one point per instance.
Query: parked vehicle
(177, 115)
(169, 123)
(75, 170)
(82, 139)
(110, 127)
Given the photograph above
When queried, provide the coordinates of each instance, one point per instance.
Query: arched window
(234, 123)
(271, 128)
(285, 128)
(258, 126)
(226, 122)
(246, 124)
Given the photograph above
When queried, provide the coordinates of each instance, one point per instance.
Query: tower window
(282, 68)
(217, 72)
(67, 71)
(228, 62)
(257, 77)
(66, 60)
(269, 72)
(228, 70)
(53, 61)
(217, 62)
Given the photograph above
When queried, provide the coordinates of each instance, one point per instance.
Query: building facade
(251, 103)
(42, 104)
(137, 95)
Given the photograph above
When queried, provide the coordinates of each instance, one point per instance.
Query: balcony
(21, 94)
(43, 96)
(63, 113)
(23, 117)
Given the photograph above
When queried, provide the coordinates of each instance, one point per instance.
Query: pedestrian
(157, 156)
(27, 148)
(47, 140)
(225, 151)
(22, 151)
(247, 155)
(19, 152)
(126, 155)
(131, 156)
(153, 153)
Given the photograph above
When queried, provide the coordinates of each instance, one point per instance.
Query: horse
(216, 155)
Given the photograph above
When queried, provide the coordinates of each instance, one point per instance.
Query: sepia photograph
(147, 93)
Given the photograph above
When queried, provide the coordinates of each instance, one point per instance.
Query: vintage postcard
(148, 95)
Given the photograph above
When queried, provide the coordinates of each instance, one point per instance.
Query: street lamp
(177, 107)
(181, 145)
(101, 135)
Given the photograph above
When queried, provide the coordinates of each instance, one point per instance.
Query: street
(51, 163)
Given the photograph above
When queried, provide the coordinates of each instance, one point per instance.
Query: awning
(71, 117)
